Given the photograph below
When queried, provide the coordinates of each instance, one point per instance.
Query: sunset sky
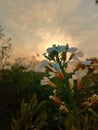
(35, 25)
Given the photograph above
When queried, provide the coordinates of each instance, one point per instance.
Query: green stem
(70, 96)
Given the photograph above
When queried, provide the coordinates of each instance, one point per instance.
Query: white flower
(80, 62)
(70, 68)
(71, 83)
(56, 99)
(79, 74)
(51, 97)
(86, 62)
(77, 55)
(51, 74)
(62, 48)
(56, 66)
(46, 81)
(58, 72)
(57, 48)
(51, 49)
(73, 62)
(64, 108)
(54, 91)
(72, 49)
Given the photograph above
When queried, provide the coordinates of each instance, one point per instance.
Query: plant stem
(70, 96)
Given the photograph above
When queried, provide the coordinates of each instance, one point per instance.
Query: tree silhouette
(5, 49)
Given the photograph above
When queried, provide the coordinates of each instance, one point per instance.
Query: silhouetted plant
(68, 81)
(31, 116)
(5, 50)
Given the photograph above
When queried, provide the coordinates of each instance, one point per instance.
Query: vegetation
(25, 103)
(65, 77)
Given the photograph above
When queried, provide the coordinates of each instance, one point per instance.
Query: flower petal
(75, 58)
(49, 50)
(72, 49)
(71, 82)
(51, 75)
(56, 66)
(62, 48)
(43, 64)
(79, 54)
(86, 62)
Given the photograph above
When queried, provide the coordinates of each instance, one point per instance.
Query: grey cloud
(82, 25)
(78, 19)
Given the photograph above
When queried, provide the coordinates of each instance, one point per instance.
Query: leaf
(68, 123)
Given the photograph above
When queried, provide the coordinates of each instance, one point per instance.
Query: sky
(35, 25)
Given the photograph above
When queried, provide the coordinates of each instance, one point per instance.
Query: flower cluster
(63, 65)
(91, 101)
(57, 64)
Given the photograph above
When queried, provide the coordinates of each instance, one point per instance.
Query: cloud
(35, 24)
(48, 39)
(22, 14)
